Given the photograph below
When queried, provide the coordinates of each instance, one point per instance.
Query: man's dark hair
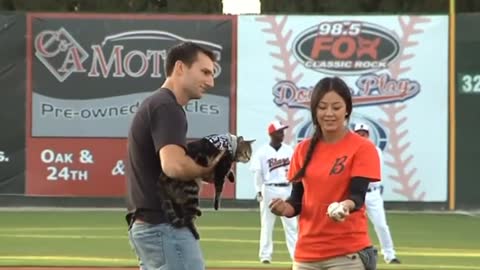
(187, 53)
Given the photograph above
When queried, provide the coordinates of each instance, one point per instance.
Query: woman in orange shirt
(331, 172)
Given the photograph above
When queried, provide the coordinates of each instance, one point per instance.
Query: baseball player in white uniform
(375, 207)
(269, 165)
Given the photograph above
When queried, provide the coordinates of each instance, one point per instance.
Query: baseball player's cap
(275, 126)
(361, 126)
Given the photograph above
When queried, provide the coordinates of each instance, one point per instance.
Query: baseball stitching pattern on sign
(287, 67)
(398, 151)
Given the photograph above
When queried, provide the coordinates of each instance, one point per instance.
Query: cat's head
(243, 151)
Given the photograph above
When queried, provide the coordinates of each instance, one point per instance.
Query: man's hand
(259, 197)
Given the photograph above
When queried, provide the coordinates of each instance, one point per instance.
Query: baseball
(336, 210)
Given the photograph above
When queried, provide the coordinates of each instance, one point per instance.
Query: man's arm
(177, 164)
(258, 180)
(258, 185)
(256, 168)
(169, 131)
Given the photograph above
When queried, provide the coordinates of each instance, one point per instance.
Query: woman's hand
(280, 207)
(339, 211)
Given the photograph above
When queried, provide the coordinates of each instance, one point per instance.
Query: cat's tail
(216, 201)
(231, 176)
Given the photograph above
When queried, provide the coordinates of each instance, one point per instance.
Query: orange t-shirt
(327, 179)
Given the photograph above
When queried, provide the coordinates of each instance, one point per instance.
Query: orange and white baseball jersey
(272, 164)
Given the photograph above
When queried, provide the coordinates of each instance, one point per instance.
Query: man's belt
(278, 184)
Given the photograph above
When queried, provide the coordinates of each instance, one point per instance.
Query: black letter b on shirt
(338, 166)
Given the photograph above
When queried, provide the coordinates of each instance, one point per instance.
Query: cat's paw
(231, 177)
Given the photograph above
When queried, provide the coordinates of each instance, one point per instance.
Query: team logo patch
(338, 166)
(275, 163)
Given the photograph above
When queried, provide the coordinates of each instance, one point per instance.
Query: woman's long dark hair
(324, 86)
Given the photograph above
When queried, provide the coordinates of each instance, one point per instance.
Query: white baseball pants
(267, 220)
(376, 214)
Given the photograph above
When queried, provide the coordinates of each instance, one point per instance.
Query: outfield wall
(71, 83)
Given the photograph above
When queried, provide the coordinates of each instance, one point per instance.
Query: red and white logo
(346, 47)
(115, 56)
(60, 53)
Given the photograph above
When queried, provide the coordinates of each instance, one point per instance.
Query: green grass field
(229, 239)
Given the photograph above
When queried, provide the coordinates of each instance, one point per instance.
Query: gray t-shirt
(159, 121)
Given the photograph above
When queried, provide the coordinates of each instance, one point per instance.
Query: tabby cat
(181, 201)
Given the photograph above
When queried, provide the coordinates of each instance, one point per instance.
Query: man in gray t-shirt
(156, 144)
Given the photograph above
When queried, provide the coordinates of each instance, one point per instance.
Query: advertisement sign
(387, 61)
(12, 103)
(467, 98)
(87, 75)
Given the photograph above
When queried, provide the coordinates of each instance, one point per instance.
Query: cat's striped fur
(181, 198)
